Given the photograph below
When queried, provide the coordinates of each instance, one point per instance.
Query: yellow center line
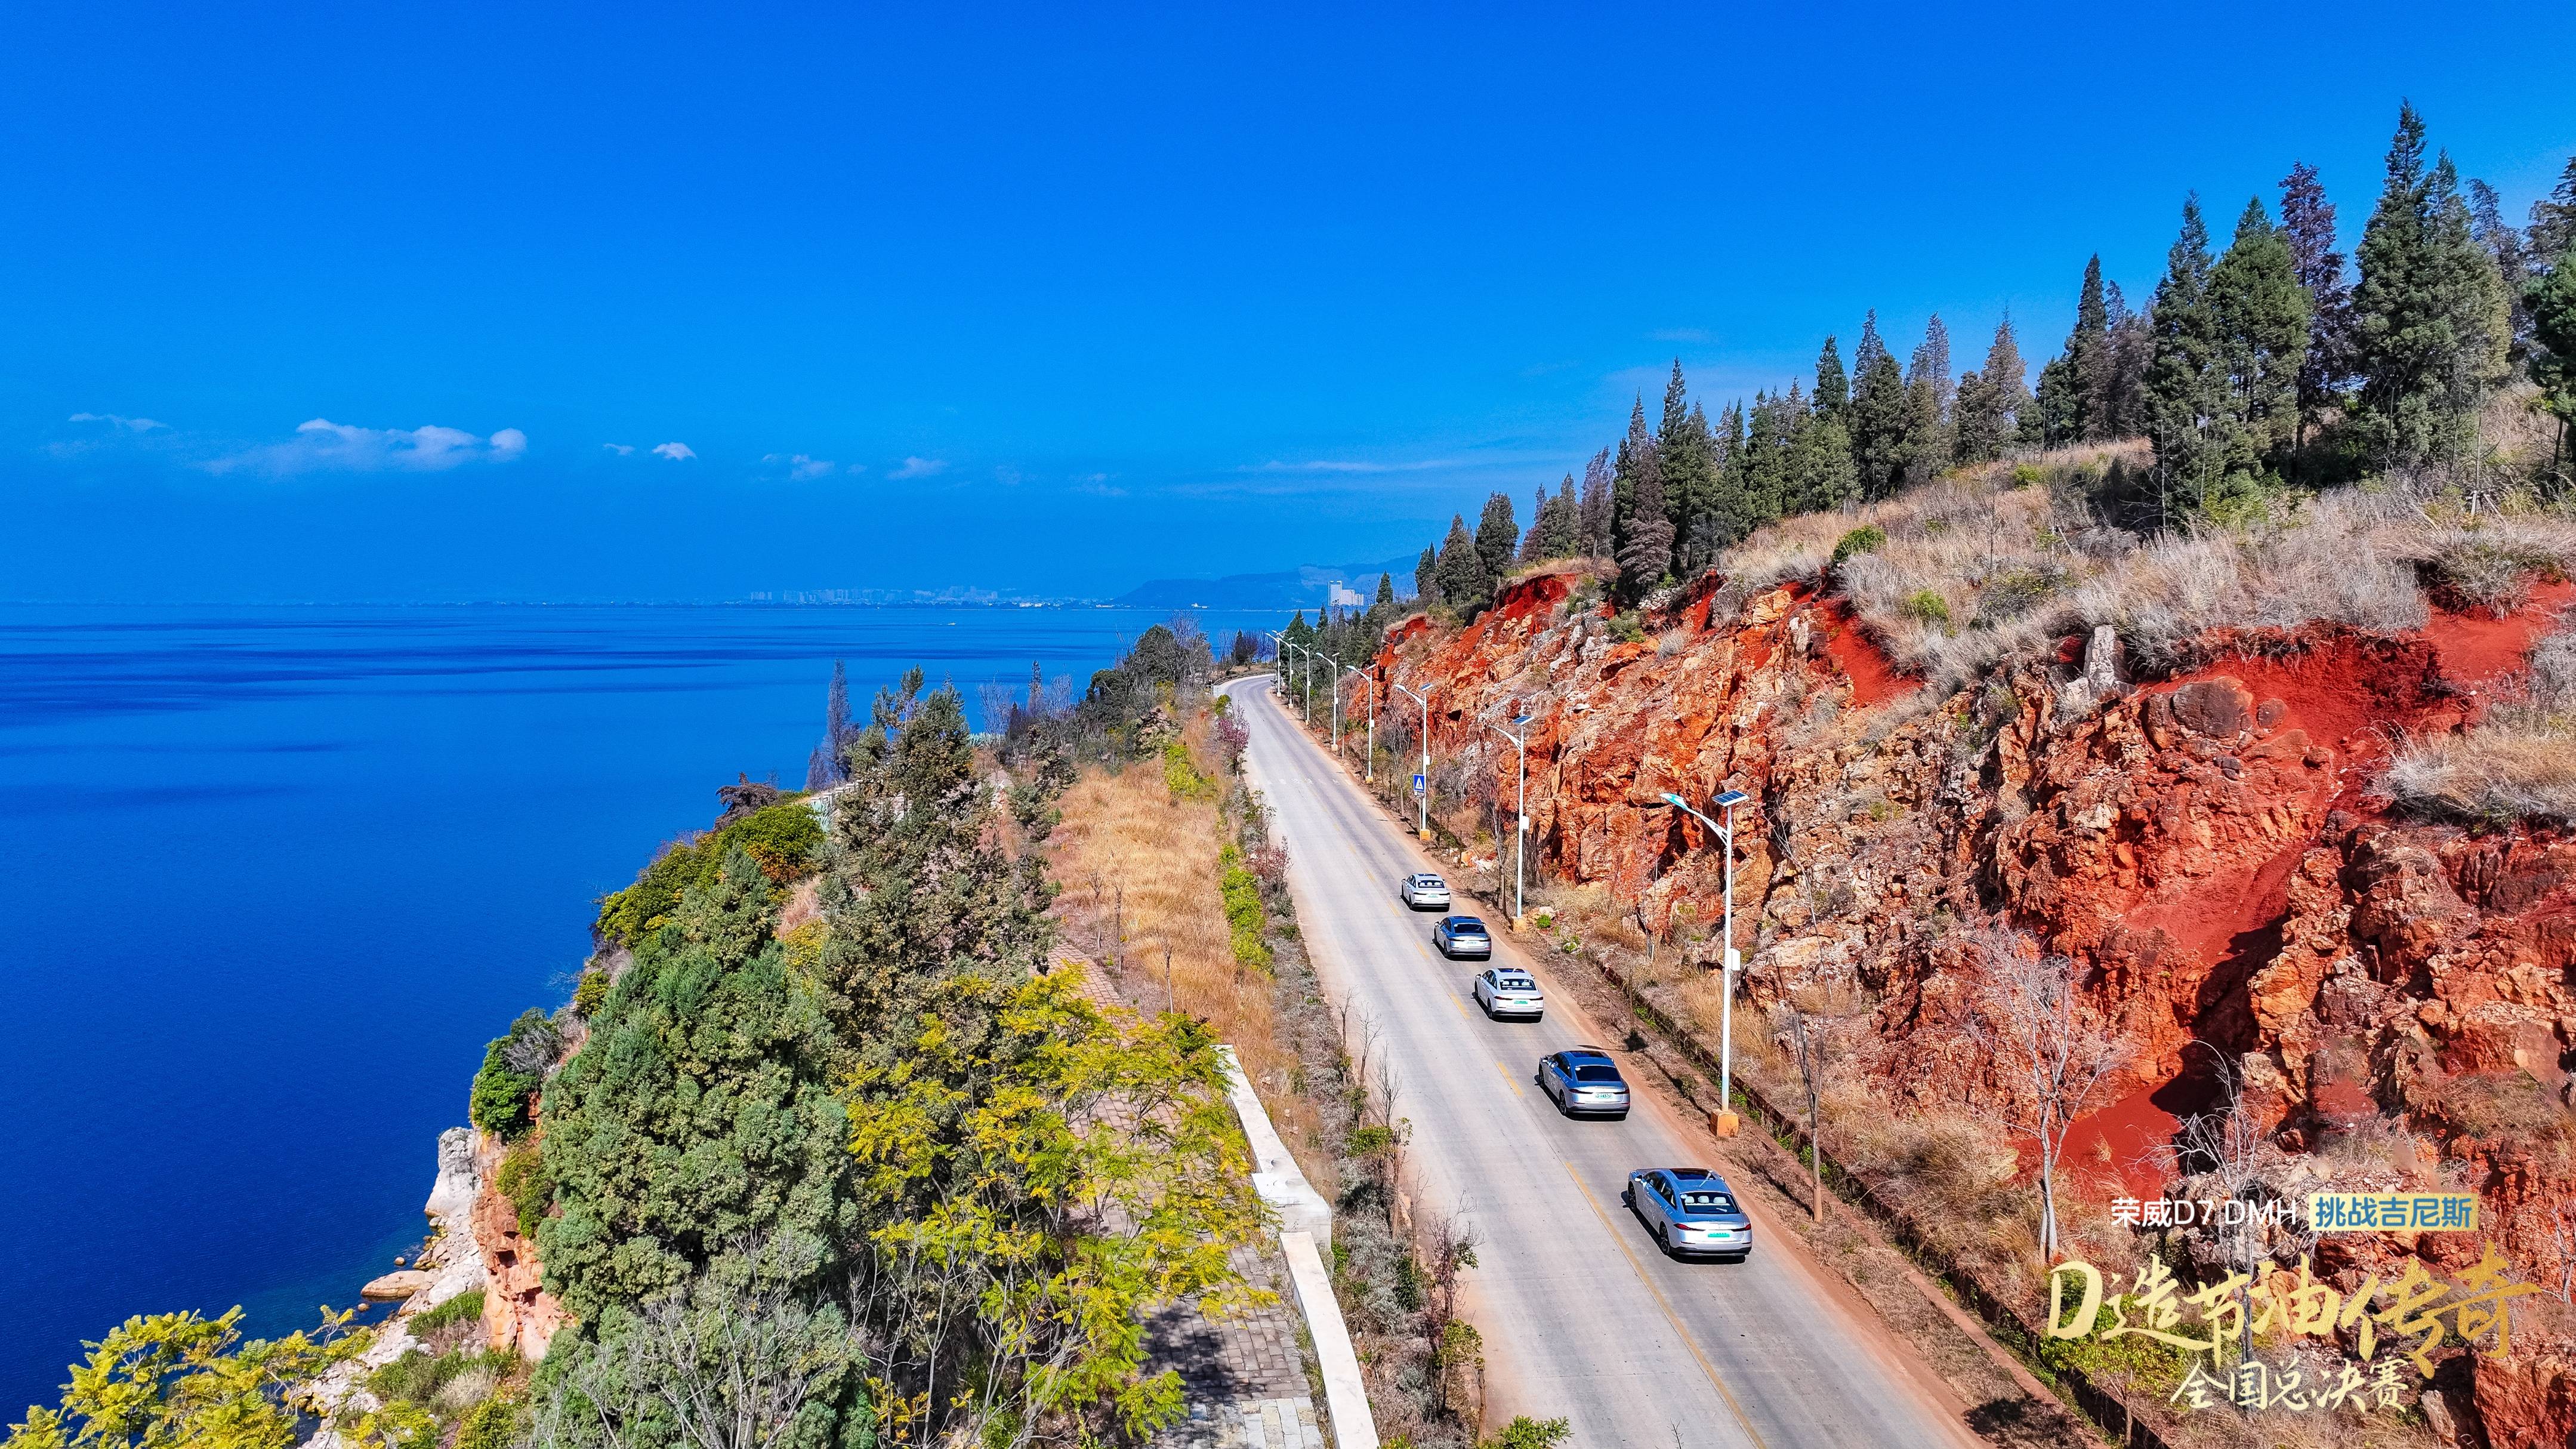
(1462, 1006)
(1671, 1317)
(1508, 1077)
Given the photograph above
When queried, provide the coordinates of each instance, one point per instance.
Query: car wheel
(1628, 1198)
(1664, 1240)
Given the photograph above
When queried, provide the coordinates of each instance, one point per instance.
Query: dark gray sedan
(1458, 936)
(1691, 1212)
(1584, 1082)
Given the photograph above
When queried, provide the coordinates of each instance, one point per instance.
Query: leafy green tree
(715, 1365)
(1426, 576)
(514, 1069)
(1878, 414)
(2261, 324)
(2181, 386)
(1464, 585)
(1927, 444)
(2429, 316)
(700, 1111)
(2308, 225)
(1827, 477)
(1498, 537)
(1385, 594)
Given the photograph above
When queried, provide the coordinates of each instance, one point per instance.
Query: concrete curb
(1305, 1235)
(1274, 1172)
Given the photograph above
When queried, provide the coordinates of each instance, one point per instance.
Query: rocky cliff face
(2205, 842)
(518, 1313)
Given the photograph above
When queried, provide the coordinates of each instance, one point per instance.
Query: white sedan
(1503, 992)
(1424, 892)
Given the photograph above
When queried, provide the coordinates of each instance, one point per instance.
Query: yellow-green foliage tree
(1033, 1192)
(182, 1381)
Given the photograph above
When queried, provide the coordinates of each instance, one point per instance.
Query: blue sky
(1049, 300)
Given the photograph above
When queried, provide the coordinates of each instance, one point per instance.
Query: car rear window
(1596, 1072)
(1468, 924)
(1708, 1202)
(1516, 983)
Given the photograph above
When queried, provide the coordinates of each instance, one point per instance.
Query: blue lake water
(269, 879)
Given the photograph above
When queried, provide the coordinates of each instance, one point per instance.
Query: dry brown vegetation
(1139, 872)
(1996, 561)
(2519, 763)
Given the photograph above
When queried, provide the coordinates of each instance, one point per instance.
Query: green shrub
(590, 991)
(1524, 1432)
(1864, 539)
(2028, 475)
(524, 1180)
(1183, 776)
(784, 840)
(1925, 606)
(495, 1423)
(1243, 909)
(514, 1067)
(2012, 593)
(465, 1307)
(1627, 628)
(417, 1376)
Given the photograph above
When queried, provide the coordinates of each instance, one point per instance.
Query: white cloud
(622, 450)
(131, 425)
(855, 469)
(1007, 476)
(676, 452)
(322, 445)
(800, 467)
(919, 468)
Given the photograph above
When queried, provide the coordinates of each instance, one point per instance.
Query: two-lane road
(1582, 1317)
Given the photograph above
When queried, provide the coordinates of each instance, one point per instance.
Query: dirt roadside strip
(1861, 1253)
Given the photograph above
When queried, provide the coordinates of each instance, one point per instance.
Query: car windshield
(1707, 1202)
(1596, 1072)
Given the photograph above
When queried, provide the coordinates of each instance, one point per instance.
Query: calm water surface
(269, 878)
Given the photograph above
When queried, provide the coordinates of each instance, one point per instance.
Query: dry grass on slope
(1996, 562)
(2519, 763)
(1130, 856)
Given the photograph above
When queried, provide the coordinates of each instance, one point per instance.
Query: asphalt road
(1582, 1316)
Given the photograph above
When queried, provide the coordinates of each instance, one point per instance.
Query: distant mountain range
(1298, 588)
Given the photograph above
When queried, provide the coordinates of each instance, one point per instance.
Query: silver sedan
(1690, 1211)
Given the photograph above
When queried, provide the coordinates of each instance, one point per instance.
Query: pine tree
(1833, 390)
(1593, 513)
(1635, 463)
(2121, 401)
(1683, 454)
(1877, 414)
(2504, 244)
(1464, 584)
(2068, 385)
(2552, 229)
(1927, 405)
(2428, 315)
(2180, 387)
(1426, 577)
(1825, 468)
(1565, 526)
(1648, 550)
(2260, 322)
(2552, 300)
(2308, 222)
(1385, 594)
(1990, 401)
(1533, 543)
(1498, 536)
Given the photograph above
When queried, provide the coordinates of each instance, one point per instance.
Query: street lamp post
(1369, 761)
(1729, 961)
(1520, 827)
(1421, 797)
(1305, 691)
